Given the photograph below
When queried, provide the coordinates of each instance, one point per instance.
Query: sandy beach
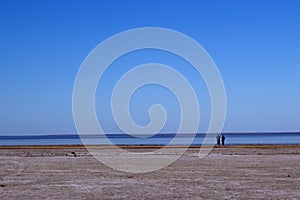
(70, 172)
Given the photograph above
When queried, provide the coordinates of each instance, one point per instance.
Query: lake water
(159, 139)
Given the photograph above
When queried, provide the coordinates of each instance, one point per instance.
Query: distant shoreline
(145, 146)
(113, 135)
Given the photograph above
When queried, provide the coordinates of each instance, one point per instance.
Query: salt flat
(254, 172)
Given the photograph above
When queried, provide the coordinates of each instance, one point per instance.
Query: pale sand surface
(226, 173)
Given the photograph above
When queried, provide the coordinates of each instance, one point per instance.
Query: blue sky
(255, 44)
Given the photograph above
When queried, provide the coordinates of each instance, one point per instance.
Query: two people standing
(220, 137)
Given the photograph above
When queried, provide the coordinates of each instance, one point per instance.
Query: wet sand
(69, 172)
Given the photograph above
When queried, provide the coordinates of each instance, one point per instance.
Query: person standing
(218, 140)
(223, 140)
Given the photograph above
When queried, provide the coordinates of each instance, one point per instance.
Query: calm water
(159, 139)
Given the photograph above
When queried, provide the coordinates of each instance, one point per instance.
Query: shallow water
(159, 139)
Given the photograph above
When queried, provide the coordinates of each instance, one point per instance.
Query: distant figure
(223, 140)
(218, 140)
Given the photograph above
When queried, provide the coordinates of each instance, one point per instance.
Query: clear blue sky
(255, 44)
